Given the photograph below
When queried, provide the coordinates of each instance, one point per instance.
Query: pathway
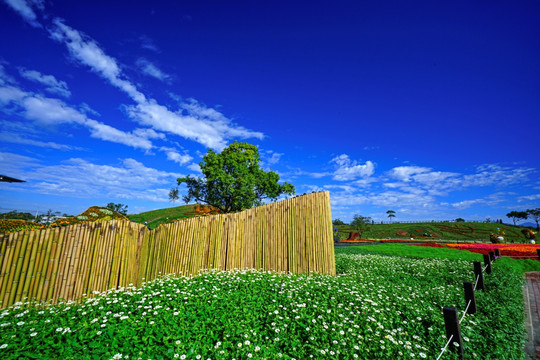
(531, 292)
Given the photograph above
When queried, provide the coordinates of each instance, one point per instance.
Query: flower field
(380, 307)
(512, 250)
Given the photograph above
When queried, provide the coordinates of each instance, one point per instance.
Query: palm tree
(391, 214)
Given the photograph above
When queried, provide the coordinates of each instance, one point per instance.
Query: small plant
(82, 217)
(93, 214)
(106, 211)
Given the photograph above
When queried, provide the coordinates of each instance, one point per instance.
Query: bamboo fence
(48, 265)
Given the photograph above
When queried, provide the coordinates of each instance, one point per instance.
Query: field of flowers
(379, 307)
(512, 250)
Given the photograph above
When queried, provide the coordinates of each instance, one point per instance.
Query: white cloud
(4, 77)
(89, 53)
(54, 111)
(529, 197)
(204, 125)
(274, 157)
(404, 173)
(11, 137)
(53, 85)
(194, 167)
(24, 8)
(148, 44)
(494, 174)
(129, 179)
(174, 155)
(490, 200)
(350, 170)
(152, 70)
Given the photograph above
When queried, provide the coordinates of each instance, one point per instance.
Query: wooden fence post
(491, 256)
(538, 252)
(487, 262)
(479, 275)
(451, 323)
(497, 253)
(469, 296)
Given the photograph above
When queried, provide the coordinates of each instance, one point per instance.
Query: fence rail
(293, 235)
(452, 324)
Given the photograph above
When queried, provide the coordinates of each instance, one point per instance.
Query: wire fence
(452, 324)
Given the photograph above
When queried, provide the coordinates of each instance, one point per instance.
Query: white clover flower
(3, 346)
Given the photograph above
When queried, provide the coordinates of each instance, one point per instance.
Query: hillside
(162, 216)
(437, 230)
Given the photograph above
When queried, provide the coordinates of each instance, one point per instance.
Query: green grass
(163, 216)
(378, 307)
(437, 230)
(421, 252)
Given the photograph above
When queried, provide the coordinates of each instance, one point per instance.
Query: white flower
(4, 346)
(33, 334)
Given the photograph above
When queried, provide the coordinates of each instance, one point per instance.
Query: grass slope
(162, 216)
(437, 230)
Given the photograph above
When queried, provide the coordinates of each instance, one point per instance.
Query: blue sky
(426, 108)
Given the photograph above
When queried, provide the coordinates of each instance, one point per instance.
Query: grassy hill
(436, 230)
(162, 216)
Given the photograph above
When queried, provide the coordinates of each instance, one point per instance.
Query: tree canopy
(361, 223)
(514, 215)
(233, 180)
(535, 215)
(119, 208)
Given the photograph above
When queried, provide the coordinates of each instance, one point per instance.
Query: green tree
(233, 180)
(391, 214)
(515, 215)
(535, 215)
(361, 223)
(119, 208)
(460, 220)
(337, 222)
(173, 195)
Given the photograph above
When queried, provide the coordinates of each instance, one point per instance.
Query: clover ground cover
(378, 307)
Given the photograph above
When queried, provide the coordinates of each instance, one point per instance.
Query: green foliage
(535, 215)
(515, 215)
(391, 214)
(233, 180)
(119, 208)
(173, 195)
(17, 215)
(379, 307)
(15, 225)
(337, 222)
(460, 220)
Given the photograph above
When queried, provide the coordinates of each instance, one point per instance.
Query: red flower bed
(511, 250)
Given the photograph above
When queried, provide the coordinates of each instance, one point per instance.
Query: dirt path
(531, 294)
